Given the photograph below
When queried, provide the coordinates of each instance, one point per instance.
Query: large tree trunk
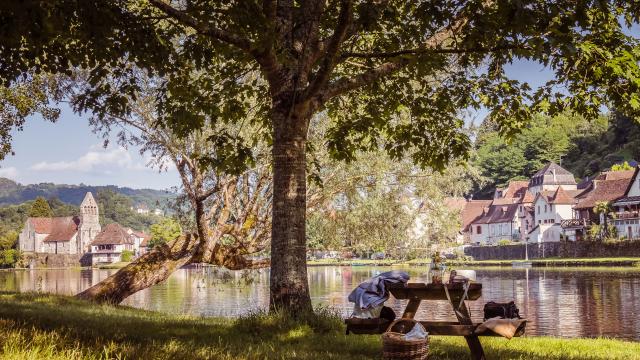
(289, 284)
(148, 270)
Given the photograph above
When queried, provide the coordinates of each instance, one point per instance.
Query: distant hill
(15, 193)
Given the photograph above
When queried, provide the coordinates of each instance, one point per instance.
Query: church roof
(552, 174)
(57, 228)
(113, 234)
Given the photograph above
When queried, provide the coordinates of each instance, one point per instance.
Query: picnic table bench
(416, 293)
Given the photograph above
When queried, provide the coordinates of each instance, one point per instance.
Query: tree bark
(148, 270)
(288, 281)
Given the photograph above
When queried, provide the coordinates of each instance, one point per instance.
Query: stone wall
(42, 260)
(564, 249)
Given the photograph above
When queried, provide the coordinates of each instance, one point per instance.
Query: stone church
(62, 235)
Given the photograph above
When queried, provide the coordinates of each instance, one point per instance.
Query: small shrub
(504, 242)
(127, 255)
(9, 257)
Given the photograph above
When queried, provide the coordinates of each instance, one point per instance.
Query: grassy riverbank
(35, 326)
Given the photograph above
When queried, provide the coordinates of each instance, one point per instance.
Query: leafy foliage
(584, 147)
(126, 255)
(164, 231)
(40, 208)
(117, 208)
(622, 167)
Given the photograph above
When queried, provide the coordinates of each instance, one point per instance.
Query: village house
(531, 211)
(605, 188)
(550, 209)
(626, 215)
(109, 244)
(79, 235)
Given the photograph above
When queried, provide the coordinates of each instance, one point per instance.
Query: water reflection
(558, 302)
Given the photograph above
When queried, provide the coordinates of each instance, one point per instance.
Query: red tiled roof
(527, 197)
(516, 188)
(57, 228)
(455, 203)
(113, 234)
(498, 214)
(562, 197)
(615, 175)
(603, 190)
(472, 210)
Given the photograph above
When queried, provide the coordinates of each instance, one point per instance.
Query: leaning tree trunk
(289, 285)
(148, 270)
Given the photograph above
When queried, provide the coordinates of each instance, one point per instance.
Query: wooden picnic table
(417, 292)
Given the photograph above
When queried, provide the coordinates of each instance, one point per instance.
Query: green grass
(38, 326)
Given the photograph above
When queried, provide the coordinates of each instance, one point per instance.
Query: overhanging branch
(204, 29)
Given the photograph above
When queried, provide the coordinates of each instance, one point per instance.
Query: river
(566, 302)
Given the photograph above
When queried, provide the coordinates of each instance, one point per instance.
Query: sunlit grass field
(38, 326)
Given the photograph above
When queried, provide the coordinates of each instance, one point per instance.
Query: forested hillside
(584, 147)
(15, 193)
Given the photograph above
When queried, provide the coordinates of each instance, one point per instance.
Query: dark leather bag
(502, 310)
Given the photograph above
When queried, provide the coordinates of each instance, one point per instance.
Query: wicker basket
(394, 346)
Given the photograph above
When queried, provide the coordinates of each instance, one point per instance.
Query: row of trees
(389, 75)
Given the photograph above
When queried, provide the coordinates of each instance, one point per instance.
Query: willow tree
(361, 61)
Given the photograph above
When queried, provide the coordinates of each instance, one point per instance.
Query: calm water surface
(559, 302)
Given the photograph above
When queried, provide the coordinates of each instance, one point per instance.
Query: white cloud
(95, 160)
(9, 172)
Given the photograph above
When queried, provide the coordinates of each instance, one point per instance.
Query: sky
(68, 152)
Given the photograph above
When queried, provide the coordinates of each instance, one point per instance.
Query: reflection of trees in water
(561, 302)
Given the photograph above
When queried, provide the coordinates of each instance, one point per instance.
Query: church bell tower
(89, 223)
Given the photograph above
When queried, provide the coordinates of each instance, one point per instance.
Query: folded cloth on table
(373, 292)
(503, 327)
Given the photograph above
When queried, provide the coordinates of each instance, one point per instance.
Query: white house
(109, 244)
(498, 222)
(627, 210)
(550, 208)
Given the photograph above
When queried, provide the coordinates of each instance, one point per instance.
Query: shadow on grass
(101, 331)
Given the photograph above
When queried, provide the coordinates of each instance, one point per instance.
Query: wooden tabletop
(422, 291)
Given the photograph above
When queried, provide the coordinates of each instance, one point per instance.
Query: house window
(539, 221)
(538, 209)
(545, 208)
(479, 230)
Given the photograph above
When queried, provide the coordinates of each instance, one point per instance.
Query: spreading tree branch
(204, 29)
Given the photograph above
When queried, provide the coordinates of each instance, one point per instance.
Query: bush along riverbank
(39, 326)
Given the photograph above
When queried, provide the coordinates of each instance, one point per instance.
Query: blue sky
(68, 152)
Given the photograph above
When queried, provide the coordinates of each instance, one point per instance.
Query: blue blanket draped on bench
(373, 292)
